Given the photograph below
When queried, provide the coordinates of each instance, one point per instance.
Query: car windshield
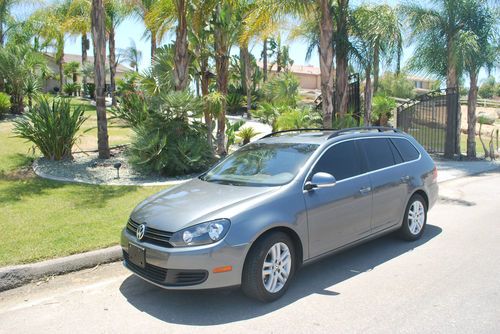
(261, 164)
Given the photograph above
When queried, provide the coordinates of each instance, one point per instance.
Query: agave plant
(51, 126)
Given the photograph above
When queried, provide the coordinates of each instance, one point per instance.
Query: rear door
(340, 214)
(388, 181)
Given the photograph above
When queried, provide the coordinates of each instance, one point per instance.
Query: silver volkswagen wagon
(278, 203)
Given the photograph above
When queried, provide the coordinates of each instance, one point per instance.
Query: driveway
(448, 282)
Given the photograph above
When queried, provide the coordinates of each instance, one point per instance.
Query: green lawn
(42, 219)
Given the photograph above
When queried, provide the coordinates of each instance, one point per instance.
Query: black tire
(252, 283)
(405, 231)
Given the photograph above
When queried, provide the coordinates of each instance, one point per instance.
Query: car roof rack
(272, 134)
(365, 128)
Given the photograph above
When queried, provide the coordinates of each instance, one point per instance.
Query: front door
(340, 214)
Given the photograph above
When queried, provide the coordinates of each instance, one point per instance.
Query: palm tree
(437, 32)
(182, 57)
(342, 47)
(17, 64)
(132, 55)
(77, 22)
(98, 25)
(116, 12)
(376, 30)
(272, 11)
(52, 21)
(386, 32)
(5, 17)
(478, 52)
(225, 29)
(157, 15)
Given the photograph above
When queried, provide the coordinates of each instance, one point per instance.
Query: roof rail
(272, 134)
(365, 128)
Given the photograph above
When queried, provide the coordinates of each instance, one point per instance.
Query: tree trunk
(341, 54)
(153, 45)
(471, 115)
(246, 75)
(452, 141)
(243, 81)
(326, 62)
(112, 65)
(99, 41)
(264, 60)
(222, 67)
(368, 96)
(61, 74)
(376, 67)
(2, 84)
(205, 82)
(85, 42)
(181, 57)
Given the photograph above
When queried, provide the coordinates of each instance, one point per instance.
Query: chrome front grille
(152, 235)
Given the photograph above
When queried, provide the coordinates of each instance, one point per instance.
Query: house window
(418, 84)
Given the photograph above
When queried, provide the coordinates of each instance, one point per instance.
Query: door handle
(365, 190)
(405, 178)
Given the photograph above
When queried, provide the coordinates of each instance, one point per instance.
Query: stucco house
(308, 75)
(51, 83)
(310, 78)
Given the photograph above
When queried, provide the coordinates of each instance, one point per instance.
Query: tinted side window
(378, 153)
(341, 160)
(407, 150)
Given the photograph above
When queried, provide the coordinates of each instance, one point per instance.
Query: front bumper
(187, 268)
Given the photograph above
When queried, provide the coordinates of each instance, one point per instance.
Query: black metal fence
(353, 98)
(432, 119)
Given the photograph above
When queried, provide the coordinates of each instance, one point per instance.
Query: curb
(14, 276)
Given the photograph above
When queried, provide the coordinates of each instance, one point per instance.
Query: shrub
(71, 88)
(396, 86)
(282, 89)
(348, 121)
(268, 114)
(246, 134)
(233, 102)
(52, 127)
(133, 108)
(4, 104)
(299, 118)
(167, 143)
(382, 109)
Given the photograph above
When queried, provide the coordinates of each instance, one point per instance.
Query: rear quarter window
(378, 153)
(406, 149)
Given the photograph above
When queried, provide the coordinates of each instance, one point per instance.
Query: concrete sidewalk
(449, 169)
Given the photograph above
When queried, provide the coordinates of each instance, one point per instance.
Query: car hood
(191, 203)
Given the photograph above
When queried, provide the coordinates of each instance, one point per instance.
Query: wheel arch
(297, 242)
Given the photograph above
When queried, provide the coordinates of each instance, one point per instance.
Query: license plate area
(137, 255)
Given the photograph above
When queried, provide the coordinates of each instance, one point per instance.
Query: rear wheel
(415, 218)
(269, 267)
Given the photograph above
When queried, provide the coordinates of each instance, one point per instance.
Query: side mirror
(320, 180)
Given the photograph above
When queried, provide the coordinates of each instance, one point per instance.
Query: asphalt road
(448, 282)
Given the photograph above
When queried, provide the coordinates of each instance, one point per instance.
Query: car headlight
(201, 234)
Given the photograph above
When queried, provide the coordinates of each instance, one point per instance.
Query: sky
(133, 29)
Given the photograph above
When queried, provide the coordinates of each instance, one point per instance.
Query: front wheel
(269, 267)
(415, 218)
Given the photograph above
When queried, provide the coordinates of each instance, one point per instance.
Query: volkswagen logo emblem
(140, 231)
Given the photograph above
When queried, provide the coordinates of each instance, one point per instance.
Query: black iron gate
(353, 98)
(432, 119)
